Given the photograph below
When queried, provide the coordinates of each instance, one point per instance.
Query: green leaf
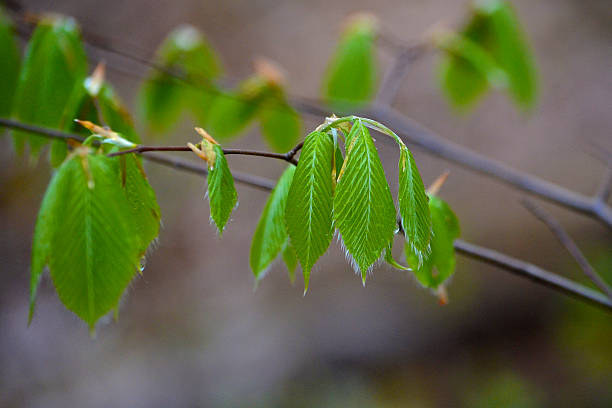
(270, 236)
(467, 71)
(280, 125)
(221, 191)
(290, 259)
(440, 265)
(233, 112)
(497, 25)
(413, 206)
(391, 261)
(363, 206)
(9, 65)
(116, 115)
(309, 206)
(183, 80)
(145, 211)
(351, 75)
(85, 232)
(54, 64)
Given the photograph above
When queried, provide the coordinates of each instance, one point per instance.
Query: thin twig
(490, 256)
(559, 232)
(605, 188)
(392, 79)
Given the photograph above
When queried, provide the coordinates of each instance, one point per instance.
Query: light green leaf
(351, 75)
(440, 265)
(145, 211)
(391, 261)
(280, 125)
(290, 259)
(363, 206)
(270, 236)
(85, 232)
(221, 191)
(163, 98)
(54, 64)
(413, 206)
(309, 206)
(116, 115)
(9, 65)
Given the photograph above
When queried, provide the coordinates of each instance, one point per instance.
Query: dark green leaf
(221, 191)
(351, 75)
(440, 265)
(9, 65)
(54, 64)
(363, 206)
(271, 234)
(413, 206)
(309, 206)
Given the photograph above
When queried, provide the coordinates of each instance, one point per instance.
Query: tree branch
(557, 229)
(392, 79)
(490, 256)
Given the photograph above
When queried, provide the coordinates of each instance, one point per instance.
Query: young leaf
(280, 125)
(54, 64)
(309, 205)
(221, 191)
(163, 98)
(231, 113)
(85, 233)
(145, 211)
(271, 234)
(115, 114)
(363, 207)
(413, 206)
(440, 265)
(9, 66)
(351, 75)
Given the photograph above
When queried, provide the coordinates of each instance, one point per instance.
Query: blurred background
(193, 332)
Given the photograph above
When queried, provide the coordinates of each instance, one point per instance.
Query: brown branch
(559, 232)
(490, 256)
(392, 79)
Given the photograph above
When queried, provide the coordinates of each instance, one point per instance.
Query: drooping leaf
(85, 233)
(232, 113)
(182, 80)
(290, 259)
(391, 261)
(440, 265)
(221, 191)
(309, 205)
(9, 64)
(280, 125)
(363, 207)
(497, 28)
(116, 115)
(54, 64)
(351, 75)
(145, 211)
(413, 206)
(270, 236)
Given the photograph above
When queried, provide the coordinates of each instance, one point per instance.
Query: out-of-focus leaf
(85, 233)
(221, 191)
(351, 75)
(496, 25)
(116, 115)
(183, 80)
(9, 65)
(280, 125)
(309, 205)
(363, 207)
(290, 259)
(413, 206)
(270, 236)
(440, 265)
(54, 64)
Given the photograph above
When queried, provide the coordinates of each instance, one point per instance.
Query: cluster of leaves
(99, 214)
(342, 187)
